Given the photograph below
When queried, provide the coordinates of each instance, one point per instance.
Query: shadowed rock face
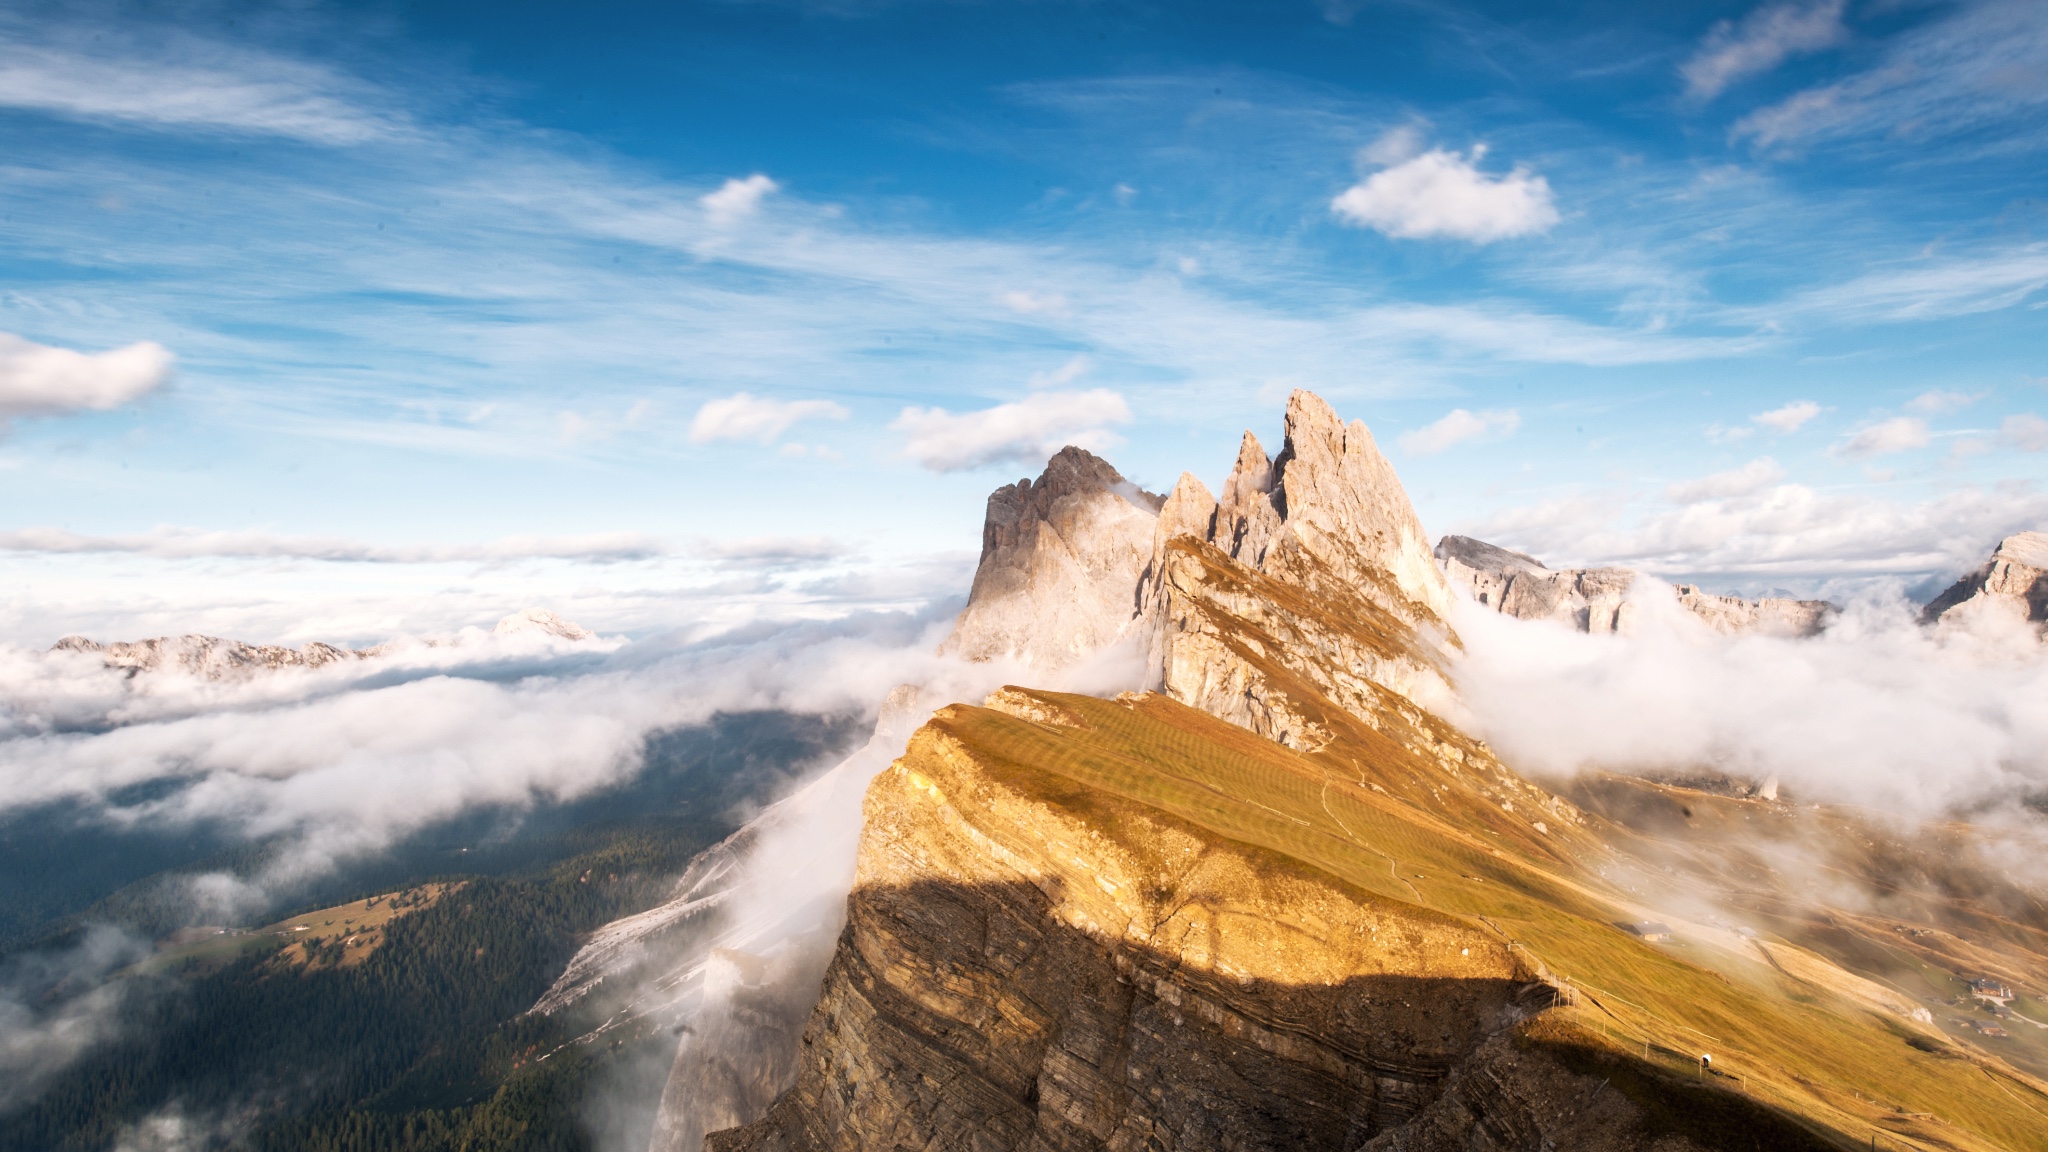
(1034, 963)
(1016, 974)
(1060, 565)
(2014, 582)
(1597, 599)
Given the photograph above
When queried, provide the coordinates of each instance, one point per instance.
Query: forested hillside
(421, 1043)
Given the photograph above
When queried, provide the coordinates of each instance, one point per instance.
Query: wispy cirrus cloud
(187, 544)
(1766, 37)
(185, 84)
(1929, 289)
(760, 419)
(1976, 69)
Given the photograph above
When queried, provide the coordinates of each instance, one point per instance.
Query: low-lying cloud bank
(342, 760)
(1877, 711)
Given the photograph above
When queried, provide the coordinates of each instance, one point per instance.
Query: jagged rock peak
(541, 620)
(1189, 510)
(1248, 517)
(210, 657)
(1343, 501)
(1597, 599)
(1333, 495)
(1061, 562)
(2014, 580)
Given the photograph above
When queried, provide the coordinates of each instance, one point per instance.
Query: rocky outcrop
(1597, 599)
(2013, 583)
(1329, 498)
(1061, 561)
(1030, 964)
(1313, 561)
(209, 657)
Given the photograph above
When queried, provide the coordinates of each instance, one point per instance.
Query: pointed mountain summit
(1061, 561)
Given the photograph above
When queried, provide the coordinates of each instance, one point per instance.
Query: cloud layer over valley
(1876, 712)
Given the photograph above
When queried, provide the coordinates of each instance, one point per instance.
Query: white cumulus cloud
(2025, 431)
(38, 380)
(736, 199)
(744, 417)
(1759, 42)
(1789, 418)
(1026, 431)
(1937, 402)
(1459, 426)
(1443, 193)
(1899, 434)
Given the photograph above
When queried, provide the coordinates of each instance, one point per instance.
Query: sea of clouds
(1878, 711)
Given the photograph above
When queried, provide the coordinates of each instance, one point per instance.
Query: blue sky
(330, 321)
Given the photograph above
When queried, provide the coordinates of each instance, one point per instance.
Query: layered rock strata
(1597, 599)
(1060, 565)
(2013, 583)
(1030, 963)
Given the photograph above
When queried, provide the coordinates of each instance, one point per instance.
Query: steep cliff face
(1597, 599)
(2013, 583)
(1031, 962)
(1052, 952)
(1060, 565)
(1284, 902)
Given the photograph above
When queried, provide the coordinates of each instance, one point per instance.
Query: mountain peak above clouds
(541, 620)
(1061, 559)
(2014, 582)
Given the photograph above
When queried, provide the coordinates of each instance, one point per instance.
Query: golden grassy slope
(1820, 1053)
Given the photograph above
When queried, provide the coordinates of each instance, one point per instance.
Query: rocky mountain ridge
(215, 658)
(1597, 599)
(208, 657)
(1283, 902)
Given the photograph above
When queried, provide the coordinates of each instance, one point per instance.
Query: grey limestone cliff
(1060, 564)
(2014, 582)
(1597, 599)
